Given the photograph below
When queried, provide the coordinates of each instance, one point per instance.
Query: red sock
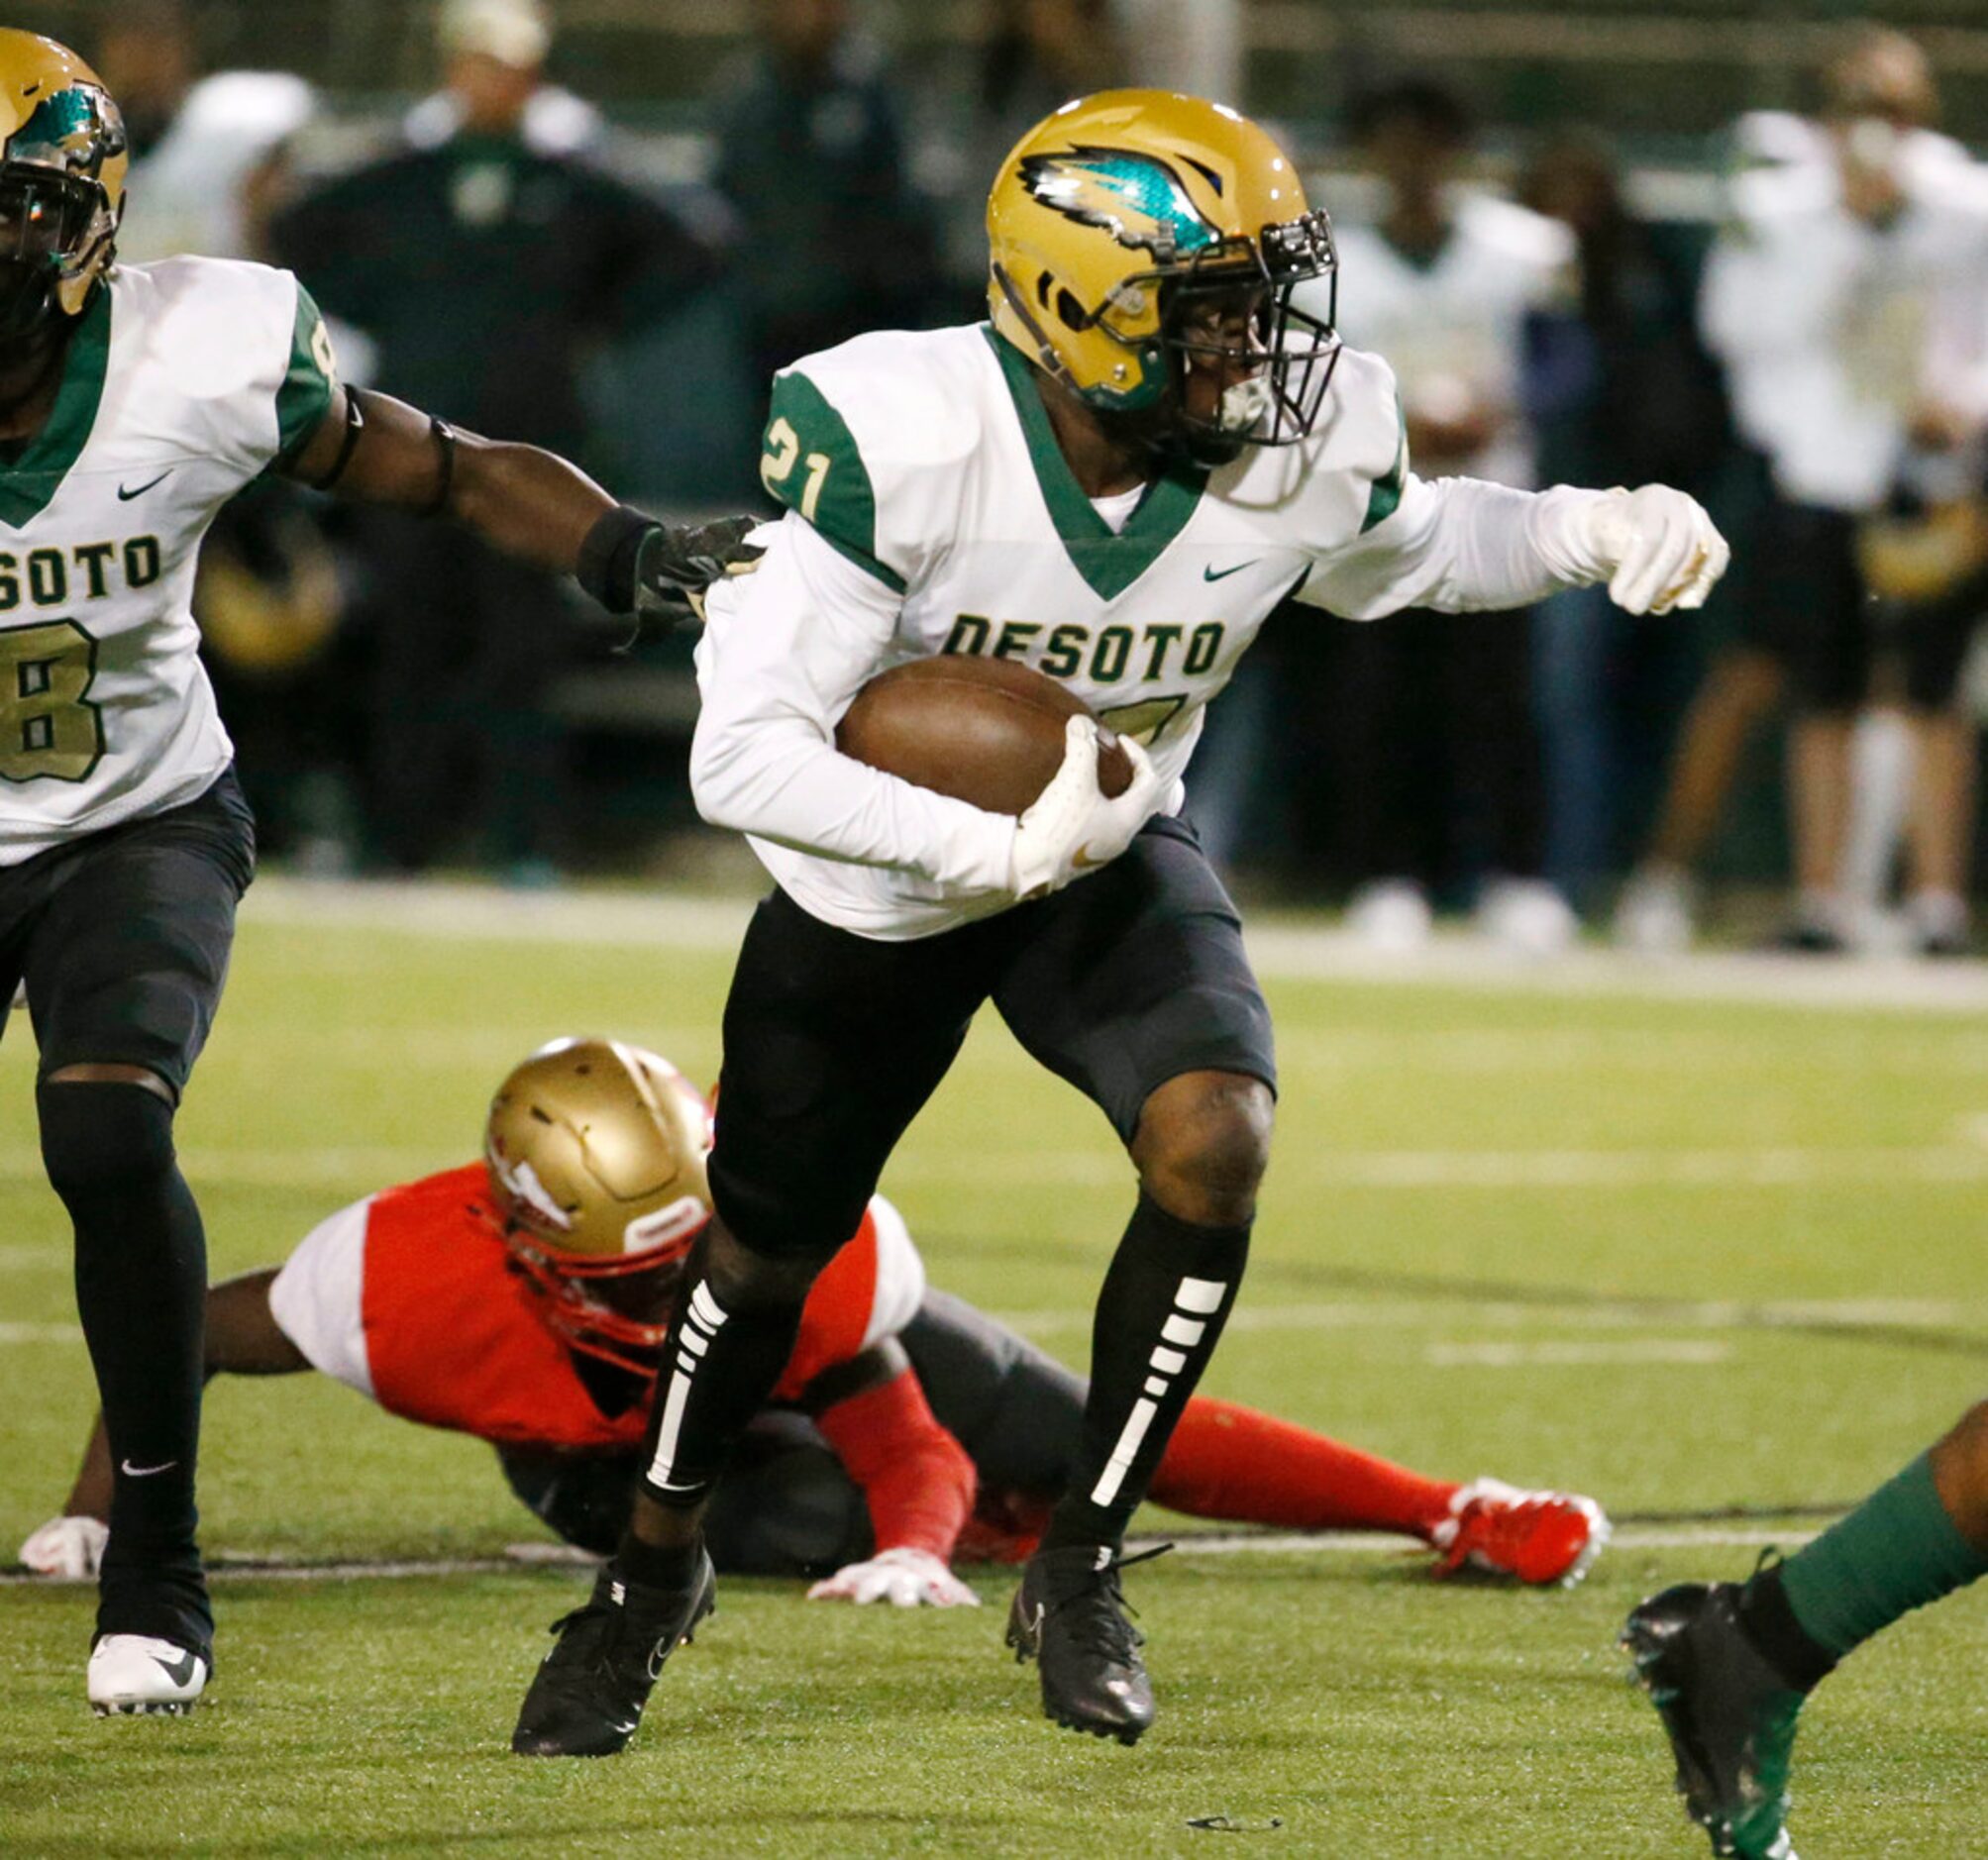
(1231, 1462)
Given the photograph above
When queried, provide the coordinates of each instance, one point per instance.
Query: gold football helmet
(1118, 223)
(597, 1153)
(63, 153)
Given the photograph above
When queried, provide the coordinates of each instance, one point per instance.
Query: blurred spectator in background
(552, 120)
(811, 155)
(1438, 751)
(1846, 300)
(486, 271)
(1036, 56)
(1189, 46)
(1033, 57)
(212, 157)
(208, 151)
(1619, 390)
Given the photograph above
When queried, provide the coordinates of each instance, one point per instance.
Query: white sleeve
(783, 651)
(318, 1298)
(1754, 302)
(1461, 546)
(900, 1275)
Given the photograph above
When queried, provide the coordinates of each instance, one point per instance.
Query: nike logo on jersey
(145, 1471)
(125, 497)
(1222, 575)
(180, 1671)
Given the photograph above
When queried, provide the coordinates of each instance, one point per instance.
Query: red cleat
(1536, 1536)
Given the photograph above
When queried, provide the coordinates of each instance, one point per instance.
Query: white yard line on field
(1557, 1353)
(32, 1259)
(1629, 1330)
(1298, 951)
(1647, 1169)
(1657, 1318)
(376, 1165)
(1282, 947)
(558, 1558)
(1835, 1166)
(353, 1167)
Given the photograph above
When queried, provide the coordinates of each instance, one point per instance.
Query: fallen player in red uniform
(524, 1300)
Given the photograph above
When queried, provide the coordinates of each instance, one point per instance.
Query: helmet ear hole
(1044, 284)
(1071, 312)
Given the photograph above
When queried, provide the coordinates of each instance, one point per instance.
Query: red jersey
(411, 1297)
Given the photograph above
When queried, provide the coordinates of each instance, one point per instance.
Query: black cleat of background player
(1069, 1617)
(588, 1694)
(1729, 1713)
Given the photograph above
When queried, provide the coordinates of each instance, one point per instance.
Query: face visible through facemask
(45, 222)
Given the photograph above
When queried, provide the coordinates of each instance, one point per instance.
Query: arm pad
(610, 555)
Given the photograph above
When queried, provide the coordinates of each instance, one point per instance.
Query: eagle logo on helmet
(1136, 198)
(76, 129)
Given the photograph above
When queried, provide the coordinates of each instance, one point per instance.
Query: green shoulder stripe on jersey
(305, 395)
(1385, 498)
(810, 465)
(1109, 561)
(29, 486)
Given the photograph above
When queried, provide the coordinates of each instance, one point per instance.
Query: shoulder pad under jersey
(864, 442)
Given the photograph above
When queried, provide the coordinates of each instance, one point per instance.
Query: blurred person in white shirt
(1442, 281)
(1846, 300)
(206, 150)
(493, 54)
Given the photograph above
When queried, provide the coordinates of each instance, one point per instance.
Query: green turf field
(1684, 1254)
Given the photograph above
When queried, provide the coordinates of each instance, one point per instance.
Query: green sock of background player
(1917, 1538)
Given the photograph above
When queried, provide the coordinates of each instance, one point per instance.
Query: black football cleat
(1730, 1715)
(1070, 1617)
(588, 1694)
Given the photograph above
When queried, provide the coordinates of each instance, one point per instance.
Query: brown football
(987, 731)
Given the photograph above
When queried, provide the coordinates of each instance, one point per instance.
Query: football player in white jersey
(134, 402)
(1149, 448)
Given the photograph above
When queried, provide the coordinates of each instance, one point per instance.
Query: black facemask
(29, 310)
(47, 222)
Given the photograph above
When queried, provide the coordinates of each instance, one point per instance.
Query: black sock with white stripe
(1160, 1315)
(720, 1367)
(141, 1289)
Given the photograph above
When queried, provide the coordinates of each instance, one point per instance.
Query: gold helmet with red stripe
(597, 1154)
(1117, 220)
(64, 154)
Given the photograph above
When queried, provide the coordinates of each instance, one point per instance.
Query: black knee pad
(786, 1507)
(586, 1497)
(98, 1135)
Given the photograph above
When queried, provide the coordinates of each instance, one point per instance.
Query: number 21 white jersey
(932, 511)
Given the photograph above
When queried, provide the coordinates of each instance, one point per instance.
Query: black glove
(658, 572)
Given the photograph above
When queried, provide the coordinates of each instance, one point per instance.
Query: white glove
(1660, 548)
(1072, 828)
(68, 1548)
(903, 1578)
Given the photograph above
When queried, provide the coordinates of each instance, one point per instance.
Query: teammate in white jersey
(1115, 484)
(134, 402)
